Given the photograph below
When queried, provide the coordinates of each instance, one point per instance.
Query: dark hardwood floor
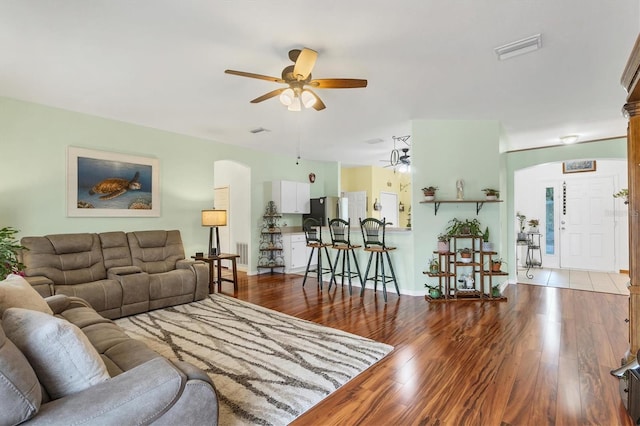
(541, 358)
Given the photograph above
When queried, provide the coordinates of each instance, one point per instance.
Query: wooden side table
(215, 262)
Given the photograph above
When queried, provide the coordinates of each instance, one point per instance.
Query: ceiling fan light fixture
(287, 97)
(295, 104)
(308, 99)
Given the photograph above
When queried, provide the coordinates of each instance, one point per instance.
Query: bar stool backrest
(312, 230)
(340, 231)
(373, 231)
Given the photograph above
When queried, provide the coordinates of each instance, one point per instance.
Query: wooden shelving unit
(270, 254)
(451, 278)
(478, 203)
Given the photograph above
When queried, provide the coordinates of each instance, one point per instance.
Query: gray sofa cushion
(58, 351)
(16, 292)
(156, 251)
(65, 258)
(20, 394)
(115, 249)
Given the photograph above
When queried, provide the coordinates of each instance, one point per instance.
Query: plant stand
(455, 276)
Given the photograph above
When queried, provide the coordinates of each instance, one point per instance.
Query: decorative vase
(495, 292)
(522, 236)
(465, 257)
(487, 246)
(434, 293)
(443, 246)
(533, 229)
(491, 197)
(496, 266)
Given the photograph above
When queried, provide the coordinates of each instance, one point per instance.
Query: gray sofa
(118, 273)
(142, 387)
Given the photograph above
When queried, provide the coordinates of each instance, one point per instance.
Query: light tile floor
(602, 282)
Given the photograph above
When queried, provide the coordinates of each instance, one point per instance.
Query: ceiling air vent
(519, 47)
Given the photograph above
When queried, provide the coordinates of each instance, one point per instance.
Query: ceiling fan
(396, 158)
(300, 82)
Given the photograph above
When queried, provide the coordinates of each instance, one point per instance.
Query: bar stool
(341, 241)
(313, 234)
(373, 234)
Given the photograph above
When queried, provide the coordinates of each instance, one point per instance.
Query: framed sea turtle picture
(103, 184)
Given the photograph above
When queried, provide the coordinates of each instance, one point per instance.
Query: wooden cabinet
(296, 253)
(291, 197)
(470, 278)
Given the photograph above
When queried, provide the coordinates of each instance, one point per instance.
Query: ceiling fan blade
(319, 105)
(252, 75)
(269, 95)
(338, 83)
(304, 63)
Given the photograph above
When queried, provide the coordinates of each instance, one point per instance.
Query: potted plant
(496, 264)
(491, 194)
(434, 291)
(465, 254)
(429, 192)
(495, 291)
(487, 246)
(533, 225)
(522, 236)
(434, 265)
(624, 194)
(443, 243)
(464, 227)
(9, 248)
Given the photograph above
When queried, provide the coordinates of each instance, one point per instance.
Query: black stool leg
(355, 260)
(319, 268)
(326, 252)
(384, 278)
(366, 274)
(308, 265)
(393, 274)
(349, 270)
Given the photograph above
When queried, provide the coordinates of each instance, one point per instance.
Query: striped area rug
(268, 368)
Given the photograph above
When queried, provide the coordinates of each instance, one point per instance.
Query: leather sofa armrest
(188, 263)
(138, 396)
(41, 284)
(61, 302)
(124, 270)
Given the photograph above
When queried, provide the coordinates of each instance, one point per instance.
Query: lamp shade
(308, 99)
(214, 217)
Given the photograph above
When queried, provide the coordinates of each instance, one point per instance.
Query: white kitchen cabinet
(291, 197)
(296, 253)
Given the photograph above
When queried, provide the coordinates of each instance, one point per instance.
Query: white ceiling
(160, 63)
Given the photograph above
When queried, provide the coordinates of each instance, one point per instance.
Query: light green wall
(610, 148)
(444, 151)
(34, 139)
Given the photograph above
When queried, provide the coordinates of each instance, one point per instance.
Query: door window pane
(550, 222)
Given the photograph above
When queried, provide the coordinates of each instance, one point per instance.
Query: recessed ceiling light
(519, 47)
(569, 139)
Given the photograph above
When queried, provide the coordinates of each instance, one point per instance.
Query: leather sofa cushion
(115, 249)
(155, 251)
(65, 258)
(102, 295)
(20, 392)
(60, 354)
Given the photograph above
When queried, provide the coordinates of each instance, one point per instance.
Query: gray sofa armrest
(201, 271)
(138, 396)
(41, 284)
(61, 302)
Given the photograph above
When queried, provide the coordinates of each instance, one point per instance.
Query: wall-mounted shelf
(478, 203)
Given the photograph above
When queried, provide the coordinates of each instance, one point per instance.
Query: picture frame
(109, 184)
(578, 166)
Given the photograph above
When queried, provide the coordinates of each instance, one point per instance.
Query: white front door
(587, 227)
(389, 210)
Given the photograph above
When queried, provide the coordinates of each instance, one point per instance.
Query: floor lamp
(214, 219)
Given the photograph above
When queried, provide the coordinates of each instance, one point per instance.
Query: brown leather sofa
(118, 273)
